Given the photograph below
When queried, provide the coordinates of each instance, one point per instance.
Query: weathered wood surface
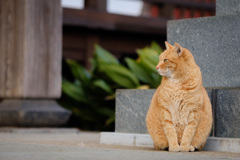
(30, 48)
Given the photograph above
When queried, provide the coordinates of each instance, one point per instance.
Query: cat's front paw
(174, 148)
(186, 148)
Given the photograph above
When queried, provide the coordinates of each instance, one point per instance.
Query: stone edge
(144, 140)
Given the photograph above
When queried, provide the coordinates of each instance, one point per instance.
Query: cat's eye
(165, 60)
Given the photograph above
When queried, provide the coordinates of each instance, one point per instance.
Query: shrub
(91, 94)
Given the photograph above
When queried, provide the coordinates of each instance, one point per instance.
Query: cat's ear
(168, 46)
(178, 49)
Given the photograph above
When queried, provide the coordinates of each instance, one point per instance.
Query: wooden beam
(113, 22)
(100, 5)
(184, 3)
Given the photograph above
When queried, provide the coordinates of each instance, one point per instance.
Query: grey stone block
(214, 43)
(227, 7)
(210, 93)
(32, 113)
(131, 109)
(227, 113)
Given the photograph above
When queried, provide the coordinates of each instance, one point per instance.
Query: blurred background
(113, 44)
(130, 24)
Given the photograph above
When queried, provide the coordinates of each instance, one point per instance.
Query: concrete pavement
(71, 144)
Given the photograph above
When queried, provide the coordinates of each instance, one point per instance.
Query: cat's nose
(157, 67)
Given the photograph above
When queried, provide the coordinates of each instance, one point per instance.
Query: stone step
(144, 140)
(132, 106)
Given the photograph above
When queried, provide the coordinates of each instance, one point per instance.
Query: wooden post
(30, 48)
(30, 62)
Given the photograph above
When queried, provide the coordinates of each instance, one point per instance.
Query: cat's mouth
(164, 73)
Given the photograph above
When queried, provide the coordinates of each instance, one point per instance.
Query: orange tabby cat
(180, 115)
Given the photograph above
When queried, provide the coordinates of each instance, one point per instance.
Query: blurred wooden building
(120, 34)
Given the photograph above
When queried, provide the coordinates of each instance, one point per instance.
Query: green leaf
(104, 56)
(148, 65)
(149, 54)
(111, 97)
(139, 71)
(103, 85)
(110, 120)
(93, 63)
(156, 47)
(79, 72)
(105, 111)
(120, 75)
(74, 91)
(148, 58)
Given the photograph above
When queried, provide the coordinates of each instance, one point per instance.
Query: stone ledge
(32, 113)
(144, 140)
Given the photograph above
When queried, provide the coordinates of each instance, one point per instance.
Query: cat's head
(174, 60)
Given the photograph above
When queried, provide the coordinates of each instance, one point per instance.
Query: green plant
(91, 94)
